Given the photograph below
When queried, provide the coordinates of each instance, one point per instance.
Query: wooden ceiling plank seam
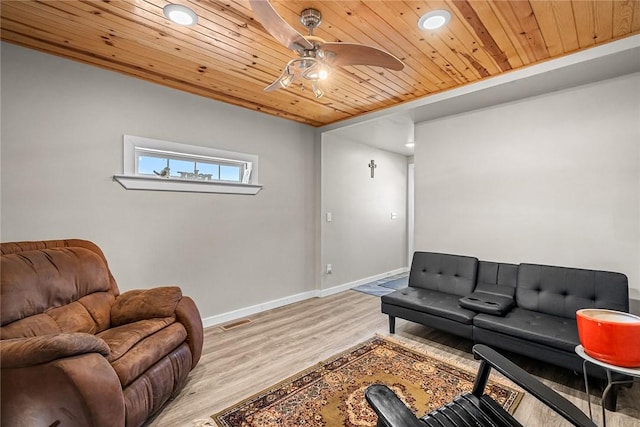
(622, 17)
(436, 48)
(438, 75)
(564, 17)
(545, 13)
(465, 41)
(490, 20)
(437, 78)
(381, 25)
(635, 22)
(469, 16)
(127, 69)
(506, 14)
(527, 19)
(333, 19)
(604, 21)
(583, 12)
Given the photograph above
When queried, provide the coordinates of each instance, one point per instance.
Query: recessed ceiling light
(180, 14)
(434, 19)
(410, 144)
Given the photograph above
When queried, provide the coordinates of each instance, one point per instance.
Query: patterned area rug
(332, 392)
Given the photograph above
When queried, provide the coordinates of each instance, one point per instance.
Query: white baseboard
(258, 308)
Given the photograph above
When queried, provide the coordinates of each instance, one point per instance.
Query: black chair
(475, 408)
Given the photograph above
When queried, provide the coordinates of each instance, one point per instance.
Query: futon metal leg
(392, 325)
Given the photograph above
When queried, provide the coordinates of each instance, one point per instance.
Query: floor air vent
(235, 324)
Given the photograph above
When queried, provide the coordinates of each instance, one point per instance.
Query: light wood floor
(279, 343)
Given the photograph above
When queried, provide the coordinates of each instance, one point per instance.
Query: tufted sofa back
(497, 278)
(54, 286)
(561, 291)
(453, 274)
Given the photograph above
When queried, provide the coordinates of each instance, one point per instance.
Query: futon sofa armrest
(143, 304)
(492, 359)
(25, 352)
(389, 408)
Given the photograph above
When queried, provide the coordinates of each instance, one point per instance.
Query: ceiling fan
(316, 57)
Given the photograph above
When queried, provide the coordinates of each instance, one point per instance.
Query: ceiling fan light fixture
(434, 20)
(323, 73)
(286, 79)
(316, 89)
(180, 14)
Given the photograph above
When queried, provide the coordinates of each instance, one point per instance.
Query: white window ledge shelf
(136, 182)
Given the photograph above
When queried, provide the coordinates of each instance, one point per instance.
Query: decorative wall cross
(373, 166)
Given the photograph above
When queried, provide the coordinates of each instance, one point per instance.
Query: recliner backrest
(561, 291)
(53, 287)
(453, 274)
(497, 278)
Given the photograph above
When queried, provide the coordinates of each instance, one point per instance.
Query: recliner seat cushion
(122, 338)
(147, 352)
(553, 331)
(432, 302)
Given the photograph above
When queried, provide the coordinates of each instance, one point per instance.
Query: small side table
(634, 373)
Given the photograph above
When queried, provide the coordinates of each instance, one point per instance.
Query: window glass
(207, 169)
(148, 164)
(230, 173)
(181, 168)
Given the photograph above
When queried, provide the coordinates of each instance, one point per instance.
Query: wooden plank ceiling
(230, 57)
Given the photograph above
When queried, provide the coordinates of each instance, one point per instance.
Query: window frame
(132, 180)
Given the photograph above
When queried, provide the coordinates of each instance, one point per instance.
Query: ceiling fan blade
(278, 27)
(360, 54)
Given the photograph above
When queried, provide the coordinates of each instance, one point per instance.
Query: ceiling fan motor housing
(311, 18)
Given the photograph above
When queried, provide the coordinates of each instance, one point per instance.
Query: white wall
(62, 127)
(362, 240)
(553, 179)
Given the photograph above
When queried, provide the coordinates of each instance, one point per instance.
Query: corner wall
(361, 241)
(553, 179)
(62, 127)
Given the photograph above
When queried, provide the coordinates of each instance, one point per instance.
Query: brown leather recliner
(76, 352)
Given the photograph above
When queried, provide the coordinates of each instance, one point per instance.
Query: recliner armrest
(143, 304)
(30, 351)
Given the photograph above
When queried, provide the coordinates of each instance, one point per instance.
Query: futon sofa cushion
(431, 302)
(552, 331)
(561, 291)
(451, 274)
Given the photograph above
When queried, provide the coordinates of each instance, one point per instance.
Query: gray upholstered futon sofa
(527, 309)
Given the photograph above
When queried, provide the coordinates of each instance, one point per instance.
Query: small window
(180, 167)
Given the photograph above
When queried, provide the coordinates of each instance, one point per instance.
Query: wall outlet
(329, 269)
(394, 215)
